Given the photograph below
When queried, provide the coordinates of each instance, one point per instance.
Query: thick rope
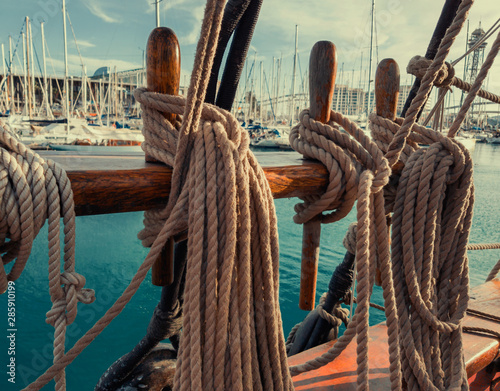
(357, 170)
(483, 246)
(494, 271)
(226, 343)
(455, 126)
(397, 145)
(431, 221)
(32, 191)
(418, 66)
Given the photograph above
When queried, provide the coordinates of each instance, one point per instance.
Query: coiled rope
(357, 170)
(33, 190)
(232, 332)
(432, 217)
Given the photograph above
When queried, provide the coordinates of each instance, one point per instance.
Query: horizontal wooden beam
(105, 184)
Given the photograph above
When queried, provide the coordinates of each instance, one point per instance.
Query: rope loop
(418, 66)
(349, 241)
(33, 190)
(345, 155)
(431, 223)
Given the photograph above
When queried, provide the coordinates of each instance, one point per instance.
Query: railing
(114, 184)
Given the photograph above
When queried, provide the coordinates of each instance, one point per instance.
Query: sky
(114, 32)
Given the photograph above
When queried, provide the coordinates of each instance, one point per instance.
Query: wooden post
(322, 72)
(387, 88)
(163, 76)
(386, 101)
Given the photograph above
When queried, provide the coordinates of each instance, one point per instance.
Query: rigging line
(487, 35)
(84, 69)
(300, 71)
(76, 43)
(38, 76)
(13, 56)
(269, 94)
(53, 70)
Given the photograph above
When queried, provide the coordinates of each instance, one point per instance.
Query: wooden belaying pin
(322, 73)
(386, 104)
(163, 71)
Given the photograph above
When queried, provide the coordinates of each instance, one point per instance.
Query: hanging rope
(398, 143)
(357, 170)
(232, 332)
(33, 190)
(446, 78)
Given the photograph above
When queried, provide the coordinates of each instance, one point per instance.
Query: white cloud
(196, 15)
(96, 8)
(150, 7)
(404, 29)
(84, 44)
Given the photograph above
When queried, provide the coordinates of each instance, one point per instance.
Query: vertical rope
(475, 87)
(399, 141)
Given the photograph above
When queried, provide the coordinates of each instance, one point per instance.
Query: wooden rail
(105, 184)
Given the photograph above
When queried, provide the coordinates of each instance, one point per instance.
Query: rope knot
(418, 66)
(345, 155)
(335, 318)
(349, 241)
(73, 293)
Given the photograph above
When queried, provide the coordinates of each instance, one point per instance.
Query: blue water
(108, 255)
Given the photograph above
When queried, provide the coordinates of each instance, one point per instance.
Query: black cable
(233, 12)
(171, 298)
(447, 15)
(237, 55)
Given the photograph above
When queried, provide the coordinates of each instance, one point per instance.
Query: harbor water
(109, 253)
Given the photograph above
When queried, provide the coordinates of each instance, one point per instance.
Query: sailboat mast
(3, 61)
(261, 94)
(368, 108)
(11, 67)
(84, 89)
(66, 92)
(294, 72)
(157, 3)
(4, 76)
(28, 77)
(46, 98)
(32, 81)
(25, 79)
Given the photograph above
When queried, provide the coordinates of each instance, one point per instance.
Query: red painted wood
(341, 374)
